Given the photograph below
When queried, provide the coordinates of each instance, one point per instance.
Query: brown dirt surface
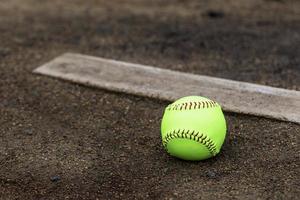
(64, 141)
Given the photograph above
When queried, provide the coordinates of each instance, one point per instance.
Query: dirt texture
(59, 140)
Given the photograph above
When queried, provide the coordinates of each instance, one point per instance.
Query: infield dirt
(64, 141)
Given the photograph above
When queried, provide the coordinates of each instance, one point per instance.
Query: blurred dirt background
(64, 141)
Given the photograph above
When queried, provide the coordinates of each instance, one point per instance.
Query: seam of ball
(192, 135)
(192, 105)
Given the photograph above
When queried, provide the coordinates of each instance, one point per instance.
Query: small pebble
(211, 174)
(55, 178)
(28, 131)
(215, 14)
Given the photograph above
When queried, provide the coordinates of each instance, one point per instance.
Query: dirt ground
(64, 141)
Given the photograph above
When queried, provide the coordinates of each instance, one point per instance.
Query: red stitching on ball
(194, 135)
(192, 105)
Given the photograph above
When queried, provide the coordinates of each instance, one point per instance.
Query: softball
(193, 128)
